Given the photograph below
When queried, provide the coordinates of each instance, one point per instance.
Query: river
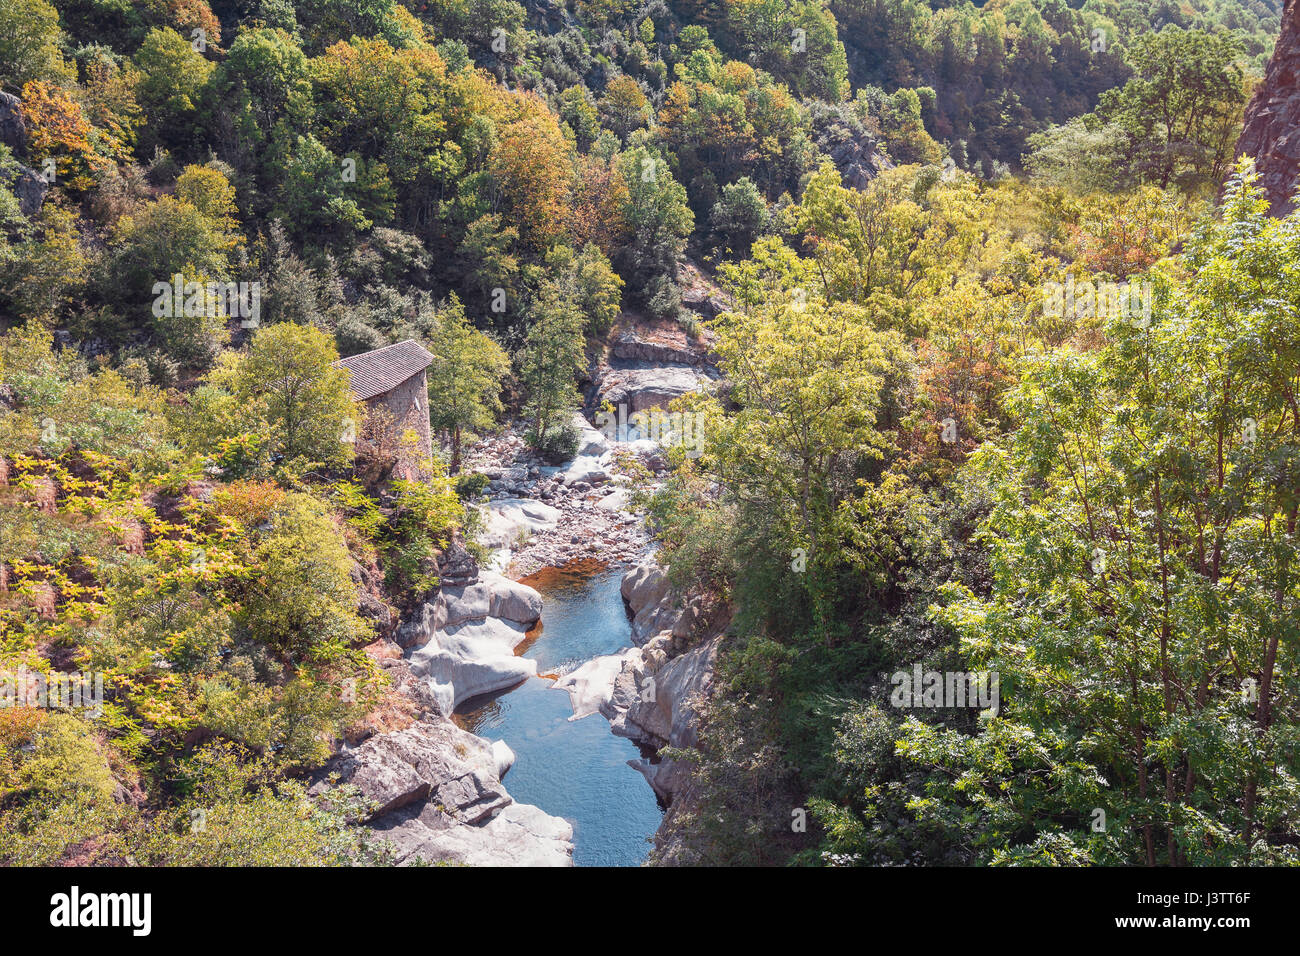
(574, 769)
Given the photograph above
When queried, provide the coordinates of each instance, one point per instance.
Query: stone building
(394, 381)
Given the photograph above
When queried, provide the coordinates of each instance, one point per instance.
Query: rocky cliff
(1272, 129)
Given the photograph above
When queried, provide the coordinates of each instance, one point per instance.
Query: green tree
(29, 44)
(465, 377)
(173, 78)
(312, 413)
(553, 354)
(1181, 111)
(301, 599)
(590, 282)
(659, 219)
(739, 217)
(806, 378)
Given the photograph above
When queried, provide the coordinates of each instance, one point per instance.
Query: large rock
(491, 596)
(457, 567)
(639, 338)
(641, 386)
(703, 296)
(592, 443)
(591, 685)
(439, 798)
(656, 702)
(651, 361)
(649, 600)
(859, 161)
(510, 518)
(470, 659)
(589, 468)
(13, 127)
(504, 757)
(680, 685)
(1271, 133)
(432, 760)
(30, 188)
(462, 642)
(520, 835)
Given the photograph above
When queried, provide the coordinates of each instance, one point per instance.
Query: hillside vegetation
(1011, 386)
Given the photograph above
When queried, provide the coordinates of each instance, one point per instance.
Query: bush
(470, 487)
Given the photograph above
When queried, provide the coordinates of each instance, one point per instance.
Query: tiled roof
(382, 370)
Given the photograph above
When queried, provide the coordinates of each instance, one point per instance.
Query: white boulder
(591, 685)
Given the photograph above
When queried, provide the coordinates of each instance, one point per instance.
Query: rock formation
(436, 789)
(438, 798)
(13, 127)
(652, 361)
(463, 641)
(28, 186)
(1271, 133)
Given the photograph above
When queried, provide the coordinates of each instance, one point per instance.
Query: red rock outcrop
(1271, 133)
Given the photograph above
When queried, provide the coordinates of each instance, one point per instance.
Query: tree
(1144, 586)
(553, 354)
(794, 41)
(29, 44)
(806, 378)
(173, 77)
(739, 217)
(308, 403)
(624, 106)
(209, 191)
(58, 130)
(1077, 158)
(167, 238)
(658, 218)
(303, 600)
(588, 280)
(465, 377)
(576, 108)
(314, 198)
(1181, 111)
(264, 90)
(533, 170)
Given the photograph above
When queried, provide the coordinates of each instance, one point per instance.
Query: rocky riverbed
(437, 788)
(538, 516)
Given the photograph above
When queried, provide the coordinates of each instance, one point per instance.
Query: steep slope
(1272, 128)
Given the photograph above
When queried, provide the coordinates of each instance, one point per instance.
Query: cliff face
(1272, 129)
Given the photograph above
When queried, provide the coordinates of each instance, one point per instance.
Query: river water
(575, 769)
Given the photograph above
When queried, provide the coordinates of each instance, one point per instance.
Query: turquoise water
(573, 769)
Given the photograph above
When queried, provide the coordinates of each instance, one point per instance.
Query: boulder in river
(462, 642)
(439, 798)
(591, 685)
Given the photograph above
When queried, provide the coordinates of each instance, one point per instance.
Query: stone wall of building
(408, 404)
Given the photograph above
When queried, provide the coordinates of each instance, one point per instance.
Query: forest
(1009, 385)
